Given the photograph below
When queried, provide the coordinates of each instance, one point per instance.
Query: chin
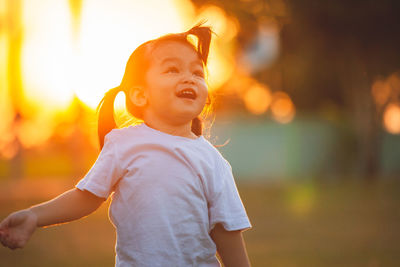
(189, 112)
(186, 118)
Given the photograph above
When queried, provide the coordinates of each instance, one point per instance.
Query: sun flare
(58, 63)
(74, 51)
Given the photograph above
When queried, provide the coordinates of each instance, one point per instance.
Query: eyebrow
(175, 59)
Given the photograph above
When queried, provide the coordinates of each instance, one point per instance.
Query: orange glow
(221, 23)
(391, 118)
(257, 99)
(46, 54)
(81, 51)
(8, 145)
(65, 55)
(59, 63)
(8, 148)
(282, 107)
(394, 82)
(29, 135)
(381, 92)
(61, 60)
(221, 62)
(385, 92)
(78, 50)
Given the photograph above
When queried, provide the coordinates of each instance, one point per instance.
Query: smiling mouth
(187, 93)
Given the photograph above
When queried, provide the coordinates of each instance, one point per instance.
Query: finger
(17, 243)
(11, 246)
(4, 240)
(4, 223)
(10, 243)
(3, 235)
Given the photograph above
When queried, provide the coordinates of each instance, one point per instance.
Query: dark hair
(134, 75)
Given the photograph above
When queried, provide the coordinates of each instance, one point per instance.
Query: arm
(18, 227)
(69, 206)
(230, 247)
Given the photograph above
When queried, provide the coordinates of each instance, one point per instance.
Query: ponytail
(203, 35)
(135, 70)
(105, 110)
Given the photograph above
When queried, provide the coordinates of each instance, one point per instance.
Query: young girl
(174, 200)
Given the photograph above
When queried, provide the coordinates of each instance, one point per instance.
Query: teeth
(187, 93)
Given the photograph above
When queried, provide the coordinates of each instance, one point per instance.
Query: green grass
(340, 223)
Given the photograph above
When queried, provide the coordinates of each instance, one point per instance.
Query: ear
(138, 96)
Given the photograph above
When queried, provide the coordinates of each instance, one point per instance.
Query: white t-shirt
(169, 192)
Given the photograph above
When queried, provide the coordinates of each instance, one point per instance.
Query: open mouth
(187, 93)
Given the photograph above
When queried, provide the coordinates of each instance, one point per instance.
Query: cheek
(203, 91)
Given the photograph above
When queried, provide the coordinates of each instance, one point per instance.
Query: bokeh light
(283, 109)
(391, 118)
(385, 93)
(381, 92)
(257, 99)
(221, 62)
(78, 49)
(301, 199)
(57, 65)
(300, 121)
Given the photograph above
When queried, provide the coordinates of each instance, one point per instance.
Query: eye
(172, 70)
(199, 73)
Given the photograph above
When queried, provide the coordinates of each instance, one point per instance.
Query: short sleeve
(225, 205)
(105, 172)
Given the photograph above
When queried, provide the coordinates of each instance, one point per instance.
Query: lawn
(308, 223)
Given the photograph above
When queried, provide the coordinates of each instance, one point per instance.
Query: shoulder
(122, 139)
(117, 135)
(215, 154)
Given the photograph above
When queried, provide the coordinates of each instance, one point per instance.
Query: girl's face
(175, 89)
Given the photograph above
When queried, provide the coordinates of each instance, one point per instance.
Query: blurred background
(307, 100)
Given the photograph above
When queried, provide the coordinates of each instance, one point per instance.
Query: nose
(188, 78)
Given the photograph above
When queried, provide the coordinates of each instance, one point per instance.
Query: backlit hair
(136, 68)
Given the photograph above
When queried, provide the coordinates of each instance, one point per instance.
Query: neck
(183, 130)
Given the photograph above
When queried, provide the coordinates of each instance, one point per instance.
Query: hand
(17, 228)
